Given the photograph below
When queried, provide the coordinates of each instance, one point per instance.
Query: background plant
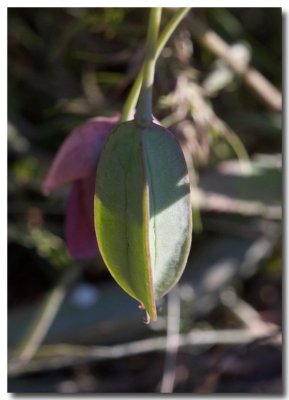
(66, 65)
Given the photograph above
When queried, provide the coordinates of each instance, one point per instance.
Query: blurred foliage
(68, 64)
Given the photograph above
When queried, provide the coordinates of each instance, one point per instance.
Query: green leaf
(143, 217)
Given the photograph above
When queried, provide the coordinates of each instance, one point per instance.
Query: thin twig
(43, 320)
(50, 357)
(270, 95)
(172, 343)
(250, 317)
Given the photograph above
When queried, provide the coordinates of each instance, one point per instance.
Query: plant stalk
(130, 104)
(143, 114)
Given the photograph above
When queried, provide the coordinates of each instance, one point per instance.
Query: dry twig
(270, 95)
(172, 343)
(50, 357)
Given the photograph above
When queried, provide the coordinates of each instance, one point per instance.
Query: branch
(270, 95)
(51, 357)
(172, 342)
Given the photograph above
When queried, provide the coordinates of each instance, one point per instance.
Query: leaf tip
(148, 317)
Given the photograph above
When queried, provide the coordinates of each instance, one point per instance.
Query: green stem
(165, 35)
(197, 219)
(169, 29)
(143, 114)
(236, 145)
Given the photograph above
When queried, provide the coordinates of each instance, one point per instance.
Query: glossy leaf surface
(142, 211)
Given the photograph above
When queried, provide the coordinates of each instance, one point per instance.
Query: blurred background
(71, 329)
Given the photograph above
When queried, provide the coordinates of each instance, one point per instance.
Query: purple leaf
(77, 157)
(79, 226)
(76, 161)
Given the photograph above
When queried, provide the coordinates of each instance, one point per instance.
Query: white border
(147, 3)
(3, 148)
